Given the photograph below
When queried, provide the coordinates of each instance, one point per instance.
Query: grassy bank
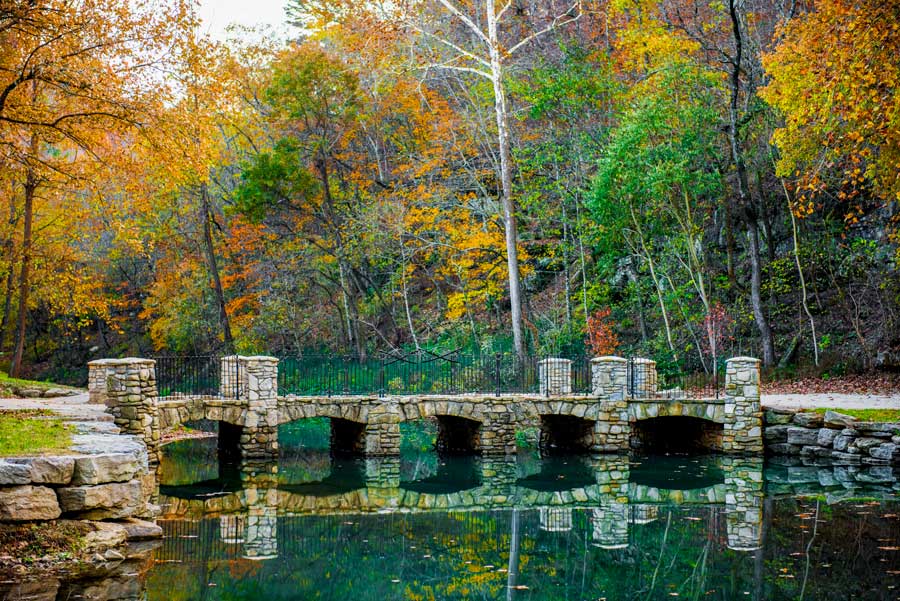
(867, 415)
(27, 432)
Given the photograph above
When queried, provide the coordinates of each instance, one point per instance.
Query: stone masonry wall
(609, 381)
(259, 438)
(837, 437)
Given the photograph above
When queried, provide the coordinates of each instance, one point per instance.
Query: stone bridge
(607, 420)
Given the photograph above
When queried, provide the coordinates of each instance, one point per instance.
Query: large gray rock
(845, 458)
(776, 433)
(877, 428)
(101, 469)
(884, 451)
(103, 501)
(775, 417)
(13, 474)
(826, 437)
(781, 448)
(49, 469)
(833, 419)
(842, 443)
(28, 504)
(809, 420)
(105, 535)
(802, 436)
(866, 443)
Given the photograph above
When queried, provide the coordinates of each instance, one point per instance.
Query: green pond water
(584, 528)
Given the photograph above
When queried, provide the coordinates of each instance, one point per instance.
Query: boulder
(28, 504)
(12, 474)
(866, 443)
(51, 393)
(833, 419)
(104, 535)
(842, 443)
(826, 437)
(815, 451)
(776, 433)
(880, 427)
(884, 451)
(809, 420)
(50, 469)
(775, 417)
(103, 501)
(802, 436)
(141, 529)
(111, 467)
(780, 448)
(845, 458)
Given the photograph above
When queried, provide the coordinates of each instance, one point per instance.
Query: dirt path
(831, 401)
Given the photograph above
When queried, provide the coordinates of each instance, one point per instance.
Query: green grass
(867, 415)
(9, 385)
(32, 431)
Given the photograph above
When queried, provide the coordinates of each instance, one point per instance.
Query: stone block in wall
(886, 451)
(44, 470)
(833, 419)
(809, 420)
(826, 437)
(609, 378)
(778, 433)
(13, 474)
(774, 417)
(802, 436)
(102, 501)
(28, 504)
(111, 467)
(842, 442)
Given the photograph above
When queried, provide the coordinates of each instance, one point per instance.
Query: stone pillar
(610, 526)
(555, 376)
(383, 430)
(743, 503)
(128, 388)
(642, 378)
(609, 378)
(233, 382)
(498, 431)
(612, 430)
(743, 414)
(259, 439)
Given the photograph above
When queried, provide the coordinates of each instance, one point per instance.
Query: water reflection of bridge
(618, 496)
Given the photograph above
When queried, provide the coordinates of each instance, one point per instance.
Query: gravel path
(831, 401)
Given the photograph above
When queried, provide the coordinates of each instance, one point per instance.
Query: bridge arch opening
(677, 434)
(457, 435)
(348, 438)
(565, 434)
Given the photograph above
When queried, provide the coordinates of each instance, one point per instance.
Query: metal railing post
(497, 372)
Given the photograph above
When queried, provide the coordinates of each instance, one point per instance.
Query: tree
(486, 51)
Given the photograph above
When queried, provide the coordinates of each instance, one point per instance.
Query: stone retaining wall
(834, 436)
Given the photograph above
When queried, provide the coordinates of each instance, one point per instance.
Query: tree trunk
(765, 332)
(15, 368)
(10, 248)
(506, 200)
(213, 267)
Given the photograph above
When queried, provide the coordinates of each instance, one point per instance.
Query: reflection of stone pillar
(128, 388)
(743, 503)
(743, 415)
(612, 478)
(499, 474)
(612, 429)
(555, 376)
(261, 519)
(259, 438)
(556, 519)
(610, 526)
(383, 472)
(231, 529)
(642, 378)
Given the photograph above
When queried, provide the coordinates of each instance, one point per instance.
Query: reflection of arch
(677, 434)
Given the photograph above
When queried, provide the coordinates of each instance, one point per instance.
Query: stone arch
(292, 409)
(460, 423)
(677, 433)
(710, 411)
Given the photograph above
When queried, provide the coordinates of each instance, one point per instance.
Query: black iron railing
(198, 375)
